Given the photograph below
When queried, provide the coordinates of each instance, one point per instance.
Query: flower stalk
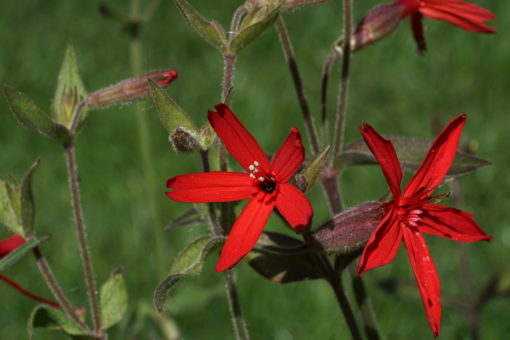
(298, 83)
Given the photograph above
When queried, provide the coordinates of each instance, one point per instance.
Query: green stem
(56, 290)
(234, 305)
(298, 84)
(82, 239)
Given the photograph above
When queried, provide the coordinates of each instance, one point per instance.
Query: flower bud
(129, 90)
(376, 24)
(348, 231)
(183, 140)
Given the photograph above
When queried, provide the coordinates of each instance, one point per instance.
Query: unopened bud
(349, 231)
(129, 90)
(183, 140)
(376, 24)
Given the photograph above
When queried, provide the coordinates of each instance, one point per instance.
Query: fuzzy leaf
(29, 115)
(252, 32)
(27, 201)
(282, 259)
(19, 252)
(307, 177)
(172, 116)
(70, 90)
(44, 316)
(410, 152)
(298, 4)
(188, 263)
(114, 299)
(211, 31)
(10, 209)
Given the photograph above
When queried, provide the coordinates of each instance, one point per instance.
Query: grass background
(392, 88)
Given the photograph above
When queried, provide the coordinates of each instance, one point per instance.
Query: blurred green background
(392, 88)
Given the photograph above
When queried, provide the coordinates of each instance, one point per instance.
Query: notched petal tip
(170, 182)
(222, 109)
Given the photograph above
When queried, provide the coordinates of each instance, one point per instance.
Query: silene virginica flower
(381, 20)
(7, 246)
(413, 213)
(264, 183)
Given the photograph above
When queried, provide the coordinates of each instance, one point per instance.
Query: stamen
(261, 179)
(252, 176)
(256, 163)
(251, 167)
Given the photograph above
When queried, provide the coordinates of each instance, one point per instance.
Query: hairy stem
(344, 79)
(472, 312)
(55, 288)
(234, 305)
(298, 84)
(82, 239)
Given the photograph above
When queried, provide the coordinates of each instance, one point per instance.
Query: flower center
(267, 181)
(267, 184)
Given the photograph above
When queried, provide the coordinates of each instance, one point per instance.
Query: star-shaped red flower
(457, 12)
(412, 213)
(8, 245)
(265, 183)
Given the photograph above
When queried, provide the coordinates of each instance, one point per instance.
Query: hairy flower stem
(472, 312)
(82, 239)
(236, 314)
(135, 54)
(55, 288)
(344, 79)
(298, 84)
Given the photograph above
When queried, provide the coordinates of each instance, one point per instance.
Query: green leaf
(10, 209)
(306, 179)
(252, 32)
(411, 152)
(188, 263)
(211, 31)
(27, 201)
(172, 116)
(29, 115)
(19, 252)
(70, 90)
(283, 259)
(44, 316)
(114, 299)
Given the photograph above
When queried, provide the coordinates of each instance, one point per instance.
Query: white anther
(255, 171)
(251, 167)
(416, 212)
(261, 179)
(252, 176)
(256, 163)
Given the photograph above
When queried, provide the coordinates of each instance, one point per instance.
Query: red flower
(265, 184)
(8, 245)
(412, 213)
(457, 12)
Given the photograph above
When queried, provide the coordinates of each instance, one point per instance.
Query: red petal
(9, 244)
(426, 277)
(417, 28)
(450, 223)
(383, 244)
(216, 186)
(438, 160)
(245, 233)
(289, 157)
(238, 141)
(294, 206)
(462, 14)
(385, 154)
